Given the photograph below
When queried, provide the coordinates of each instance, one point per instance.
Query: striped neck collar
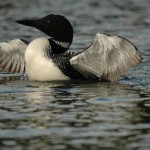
(62, 44)
(58, 47)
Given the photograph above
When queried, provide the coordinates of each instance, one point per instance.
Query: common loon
(43, 59)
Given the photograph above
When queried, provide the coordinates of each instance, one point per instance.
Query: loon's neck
(59, 47)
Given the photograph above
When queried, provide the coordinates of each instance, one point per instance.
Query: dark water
(77, 115)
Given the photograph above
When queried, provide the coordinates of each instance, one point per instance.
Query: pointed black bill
(31, 23)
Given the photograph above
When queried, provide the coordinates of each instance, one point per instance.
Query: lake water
(78, 115)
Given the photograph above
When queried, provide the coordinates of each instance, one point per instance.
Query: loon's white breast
(38, 66)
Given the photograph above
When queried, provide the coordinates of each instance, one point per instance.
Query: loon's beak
(31, 23)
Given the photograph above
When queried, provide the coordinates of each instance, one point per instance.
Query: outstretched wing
(12, 55)
(108, 58)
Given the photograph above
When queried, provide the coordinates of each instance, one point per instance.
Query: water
(77, 115)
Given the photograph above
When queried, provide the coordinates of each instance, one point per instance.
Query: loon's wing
(108, 58)
(12, 55)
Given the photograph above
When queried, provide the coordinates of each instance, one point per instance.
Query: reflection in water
(79, 114)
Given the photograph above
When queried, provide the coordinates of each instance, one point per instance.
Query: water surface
(78, 114)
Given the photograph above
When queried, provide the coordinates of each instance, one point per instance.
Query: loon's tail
(108, 58)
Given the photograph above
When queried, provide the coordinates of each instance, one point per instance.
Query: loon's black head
(56, 26)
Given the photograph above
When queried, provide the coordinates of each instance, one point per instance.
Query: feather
(108, 58)
(12, 56)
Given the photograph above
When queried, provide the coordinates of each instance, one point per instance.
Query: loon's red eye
(50, 23)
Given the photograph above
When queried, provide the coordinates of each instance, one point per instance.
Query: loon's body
(46, 65)
(45, 59)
